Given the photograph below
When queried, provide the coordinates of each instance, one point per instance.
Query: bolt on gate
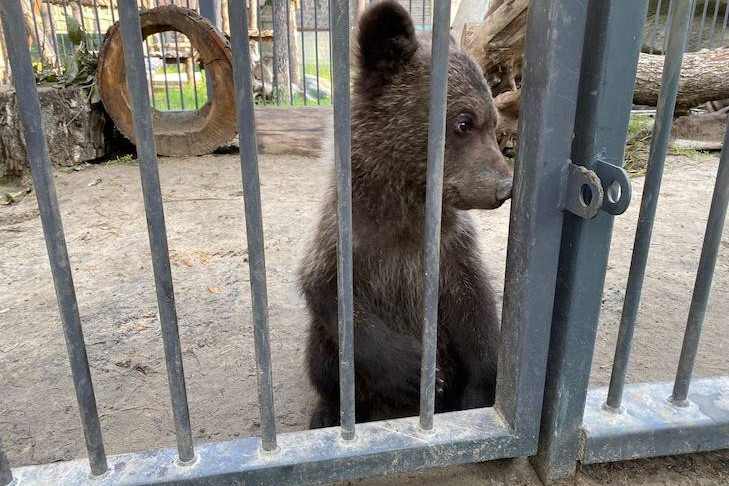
(568, 187)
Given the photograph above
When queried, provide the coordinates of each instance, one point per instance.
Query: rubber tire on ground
(176, 133)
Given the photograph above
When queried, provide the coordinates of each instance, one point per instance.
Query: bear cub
(389, 157)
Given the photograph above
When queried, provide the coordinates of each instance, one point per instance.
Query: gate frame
(509, 429)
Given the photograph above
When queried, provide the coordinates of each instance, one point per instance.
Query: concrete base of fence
(76, 130)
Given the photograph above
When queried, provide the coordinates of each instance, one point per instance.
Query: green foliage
(79, 69)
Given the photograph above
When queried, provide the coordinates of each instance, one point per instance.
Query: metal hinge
(586, 192)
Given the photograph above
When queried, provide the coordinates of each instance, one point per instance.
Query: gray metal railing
(628, 421)
(556, 263)
(507, 430)
(707, 29)
(169, 55)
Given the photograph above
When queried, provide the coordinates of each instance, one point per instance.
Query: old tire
(176, 133)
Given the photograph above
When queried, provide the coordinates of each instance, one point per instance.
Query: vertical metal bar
(422, 24)
(100, 34)
(654, 30)
(6, 476)
(669, 19)
(151, 73)
(609, 64)
(37, 34)
(694, 6)
(111, 8)
(274, 42)
(553, 55)
(329, 37)
(194, 74)
(659, 145)
(316, 52)
(724, 24)
(163, 52)
(44, 29)
(53, 36)
(210, 9)
(288, 52)
(260, 50)
(147, 153)
(179, 70)
(713, 23)
(701, 25)
(433, 207)
(702, 287)
(238, 15)
(65, 23)
(303, 52)
(339, 16)
(410, 7)
(45, 191)
(83, 22)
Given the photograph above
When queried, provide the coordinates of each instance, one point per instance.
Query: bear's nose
(503, 191)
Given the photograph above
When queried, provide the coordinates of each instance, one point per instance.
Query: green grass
(186, 97)
(180, 100)
(637, 148)
(640, 129)
(325, 70)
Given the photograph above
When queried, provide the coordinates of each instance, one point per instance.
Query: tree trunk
(280, 50)
(497, 44)
(293, 45)
(704, 77)
(5, 75)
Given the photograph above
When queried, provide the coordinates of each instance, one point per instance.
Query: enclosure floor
(106, 233)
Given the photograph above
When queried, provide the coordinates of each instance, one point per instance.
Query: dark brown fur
(389, 154)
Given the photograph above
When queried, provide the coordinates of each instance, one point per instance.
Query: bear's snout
(503, 190)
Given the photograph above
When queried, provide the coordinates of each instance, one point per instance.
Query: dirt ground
(105, 229)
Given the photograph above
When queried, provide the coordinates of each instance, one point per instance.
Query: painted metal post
(549, 93)
(612, 45)
(210, 9)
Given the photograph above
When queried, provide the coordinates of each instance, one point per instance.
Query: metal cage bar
(303, 52)
(45, 191)
(702, 287)
(613, 45)
(677, 38)
(654, 29)
(339, 14)
(243, 78)
(147, 154)
(714, 19)
(702, 24)
(669, 19)
(549, 96)
(433, 207)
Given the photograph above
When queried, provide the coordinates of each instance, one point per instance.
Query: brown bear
(389, 157)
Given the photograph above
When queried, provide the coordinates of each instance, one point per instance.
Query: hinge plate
(586, 192)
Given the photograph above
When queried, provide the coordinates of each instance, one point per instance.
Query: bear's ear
(386, 40)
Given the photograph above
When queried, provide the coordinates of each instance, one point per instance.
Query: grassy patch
(126, 159)
(179, 99)
(637, 147)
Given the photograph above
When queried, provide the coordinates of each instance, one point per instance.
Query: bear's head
(391, 107)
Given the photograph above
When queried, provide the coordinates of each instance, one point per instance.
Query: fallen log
(497, 45)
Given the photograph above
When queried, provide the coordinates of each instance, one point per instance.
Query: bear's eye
(464, 123)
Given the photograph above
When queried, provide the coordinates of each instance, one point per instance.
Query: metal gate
(553, 277)
(621, 421)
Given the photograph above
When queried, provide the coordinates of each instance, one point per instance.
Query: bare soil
(105, 229)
